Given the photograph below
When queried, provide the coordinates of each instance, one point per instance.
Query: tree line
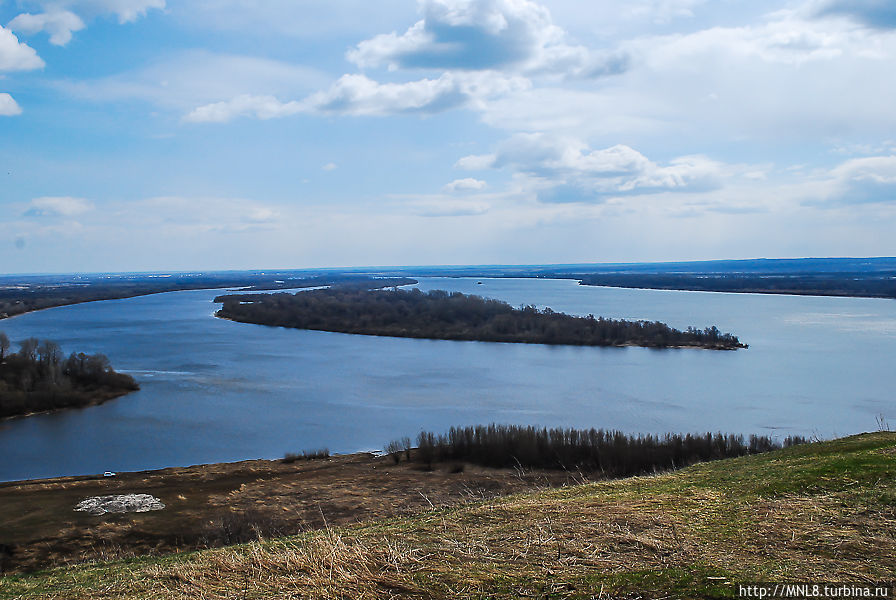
(40, 377)
(872, 285)
(610, 453)
(37, 293)
(455, 316)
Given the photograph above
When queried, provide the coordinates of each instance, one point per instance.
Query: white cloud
(330, 166)
(541, 154)
(785, 77)
(261, 214)
(564, 169)
(359, 95)
(864, 180)
(61, 18)
(58, 206)
(468, 184)
(514, 35)
(59, 24)
(16, 56)
(476, 162)
(260, 107)
(8, 106)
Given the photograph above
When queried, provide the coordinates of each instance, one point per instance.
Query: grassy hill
(824, 511)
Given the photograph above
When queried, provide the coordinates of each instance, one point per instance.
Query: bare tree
(29, 349)
(4, 345)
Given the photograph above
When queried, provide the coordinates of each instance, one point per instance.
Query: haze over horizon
(145, 135)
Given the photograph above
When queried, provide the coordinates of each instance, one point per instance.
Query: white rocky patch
(123, 503)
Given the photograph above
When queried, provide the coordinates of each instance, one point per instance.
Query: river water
(214, 390)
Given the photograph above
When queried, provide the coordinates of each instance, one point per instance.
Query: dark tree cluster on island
(40, 378)
(454, 316)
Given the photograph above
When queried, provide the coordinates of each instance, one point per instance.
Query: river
(214, 390)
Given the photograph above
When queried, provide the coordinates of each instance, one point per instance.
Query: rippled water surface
(214, 391)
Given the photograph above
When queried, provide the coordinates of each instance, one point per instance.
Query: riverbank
(819, 512)
(99, 397)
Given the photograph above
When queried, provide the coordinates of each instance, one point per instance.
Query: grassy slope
(825, 511)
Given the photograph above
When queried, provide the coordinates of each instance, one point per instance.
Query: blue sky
(227, 134)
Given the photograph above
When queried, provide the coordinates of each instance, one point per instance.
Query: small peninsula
(455, 316)
(38, 378)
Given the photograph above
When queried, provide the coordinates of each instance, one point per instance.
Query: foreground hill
(824, 512)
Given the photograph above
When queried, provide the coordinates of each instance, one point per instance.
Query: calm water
(214, 391)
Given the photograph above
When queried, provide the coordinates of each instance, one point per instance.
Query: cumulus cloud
(59, 24)
(879, 14)
(476, 162)
(543, 154)
(562, 169)
(58, 206)
(8, 106)
(16, 56)
(468, 184)
(260, 107)
(485, 35)
(359, 95)
(61, 18)
(864, 180)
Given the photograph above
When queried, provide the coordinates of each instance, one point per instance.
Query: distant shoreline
(764, 292)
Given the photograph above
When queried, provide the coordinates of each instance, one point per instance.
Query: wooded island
(455, 316)
(38, 378)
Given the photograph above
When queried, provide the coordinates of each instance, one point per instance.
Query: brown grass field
(823, 512)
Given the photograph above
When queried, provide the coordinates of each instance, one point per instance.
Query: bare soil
(219, 504)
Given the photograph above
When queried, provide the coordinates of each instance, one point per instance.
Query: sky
(140, 135)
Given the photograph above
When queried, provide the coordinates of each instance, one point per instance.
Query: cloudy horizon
(145, 135)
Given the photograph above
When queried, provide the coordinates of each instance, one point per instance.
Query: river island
(455, 316)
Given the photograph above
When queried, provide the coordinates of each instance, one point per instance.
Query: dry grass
(822, 512)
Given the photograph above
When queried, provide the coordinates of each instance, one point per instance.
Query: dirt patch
(219, 504)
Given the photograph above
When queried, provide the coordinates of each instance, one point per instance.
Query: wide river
(213, 390)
